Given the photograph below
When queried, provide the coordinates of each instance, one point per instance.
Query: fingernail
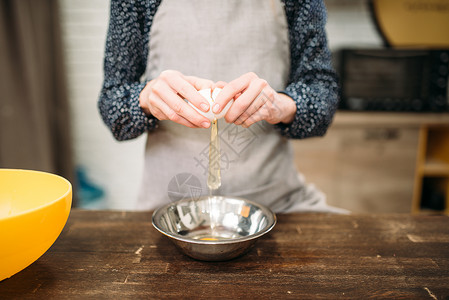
(216, 108)
(204, 107)
(205, 124)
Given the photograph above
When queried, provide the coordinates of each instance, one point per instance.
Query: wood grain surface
(118, 255)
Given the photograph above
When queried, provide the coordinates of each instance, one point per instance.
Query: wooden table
(116, 255)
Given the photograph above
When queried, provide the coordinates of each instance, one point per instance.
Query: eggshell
(210, 97)
(206, 93)
(215, 93)
(225, 110)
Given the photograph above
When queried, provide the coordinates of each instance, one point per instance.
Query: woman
(159, 53)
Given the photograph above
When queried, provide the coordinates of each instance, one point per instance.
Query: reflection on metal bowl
(214, 228)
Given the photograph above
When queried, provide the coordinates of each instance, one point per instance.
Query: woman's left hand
(254, 101)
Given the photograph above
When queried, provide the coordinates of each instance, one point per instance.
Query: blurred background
(387, 150)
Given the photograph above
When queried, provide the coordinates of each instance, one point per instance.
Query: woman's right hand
(163, 97)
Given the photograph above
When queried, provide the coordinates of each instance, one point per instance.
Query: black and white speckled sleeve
(312, 82)
(124, 63)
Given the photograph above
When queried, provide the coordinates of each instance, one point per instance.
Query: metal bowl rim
(265, 230)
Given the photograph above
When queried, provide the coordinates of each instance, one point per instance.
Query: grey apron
(221, 40)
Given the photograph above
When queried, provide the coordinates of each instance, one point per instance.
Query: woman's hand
(254, 100)
(163, 97)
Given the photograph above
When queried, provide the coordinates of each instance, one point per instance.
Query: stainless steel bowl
(214, 228)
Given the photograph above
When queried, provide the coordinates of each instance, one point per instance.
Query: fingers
(275, 109)
(263, 113)
(254, 108)
(219, 84)
(249, 97)
(254, 100)
(162, 111)
(182, 86)
(174, 107)
(254, 105)
(231, 89)
(200, 83)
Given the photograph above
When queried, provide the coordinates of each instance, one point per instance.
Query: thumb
(219, 84)
(199, 83)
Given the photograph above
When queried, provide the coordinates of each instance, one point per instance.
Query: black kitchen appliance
(394, 79)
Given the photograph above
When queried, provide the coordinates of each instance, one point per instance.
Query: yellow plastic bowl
(34, 207)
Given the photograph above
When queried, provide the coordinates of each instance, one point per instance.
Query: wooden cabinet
(432, 170)
(367, 161)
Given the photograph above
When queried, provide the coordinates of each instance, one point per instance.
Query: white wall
(117, 166)
(112, 165)
(349, 24)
